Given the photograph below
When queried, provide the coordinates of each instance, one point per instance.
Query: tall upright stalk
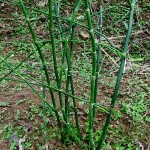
(72, 43)
(65, 55)
(69, 74)
(91, 119)
(57, 15)
(43, 64)
(98, 58)
(51, 27)
(67, 103)
(120, 74)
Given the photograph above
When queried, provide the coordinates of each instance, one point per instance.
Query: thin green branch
(98, 59)
(65, 55)
(29, 84)
(16, 66)
(91, 119)
(120, 74)
(43, 64)
(51, 27)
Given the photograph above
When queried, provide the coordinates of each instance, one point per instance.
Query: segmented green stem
(57, 15)
(122, 64)
(72, 43)
(69, 76)
(67, 104)
(65, 55)
(44, 66)
(98, 59)
(93, 74)
(51, 26)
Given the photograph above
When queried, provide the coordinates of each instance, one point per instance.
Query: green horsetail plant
(51, 27)
(92, 96)
(67, 103)
(120, 74)
(69, 74)
(44, 66)
(72, 43)
(67, 47)
(66, 55)
(98, 58)
(57, 16)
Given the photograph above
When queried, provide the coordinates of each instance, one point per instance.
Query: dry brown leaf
(84, 34)
(42, 3)
(2, 25)
(80, 17)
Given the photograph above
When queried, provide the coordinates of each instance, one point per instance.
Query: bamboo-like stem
(120, 74)
(67, 103)
(72, 43)
(43, 65)
(65, 55)
(57, 15)
(51, 26)
(61, 37)
(93, 74)
(98, 59)
(69, 73)
(69, 76)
